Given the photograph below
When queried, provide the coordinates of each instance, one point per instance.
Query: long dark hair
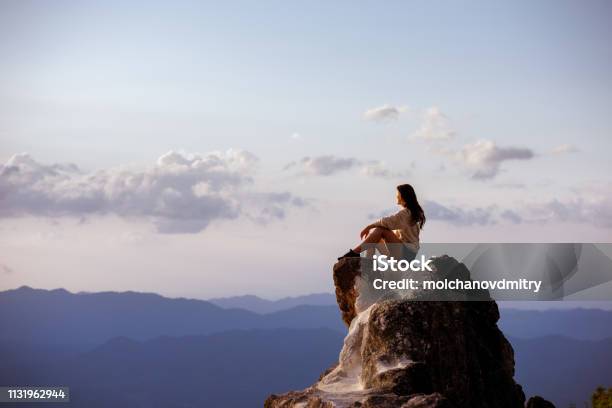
(409, 196)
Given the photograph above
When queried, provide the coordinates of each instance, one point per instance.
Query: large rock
(404, 352)
(538, 402)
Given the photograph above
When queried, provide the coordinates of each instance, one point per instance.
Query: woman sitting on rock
(402, 227)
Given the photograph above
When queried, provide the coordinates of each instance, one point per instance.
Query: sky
(207, 149)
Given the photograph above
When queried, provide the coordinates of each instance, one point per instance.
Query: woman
(402, 227)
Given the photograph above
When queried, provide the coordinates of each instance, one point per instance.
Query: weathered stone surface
(407, 353)
(458, 348)
(345, 272)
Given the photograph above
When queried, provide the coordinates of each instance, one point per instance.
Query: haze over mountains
(141, 349)
(233, 369)
(61, 317)
(259, 305)
(562, 368)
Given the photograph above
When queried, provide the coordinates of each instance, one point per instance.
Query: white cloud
(463, 216)
(324, 165)
(378, 169)
(384, 113)
(589, 204)
(565, 148)
(180, 193)
(329, 165)
(274, 205)
(598, 213)
(5, 270)
(587, 207)
(484, 158)
(459, 215)
(435, 126)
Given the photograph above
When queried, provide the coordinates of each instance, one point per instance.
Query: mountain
(230, 369)
(62, 337)
(587, 324)
(61, 317)
(87, 319)
(564, 370)
(259, 305)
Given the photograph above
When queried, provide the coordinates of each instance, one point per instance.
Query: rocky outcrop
(345, 272)
(539, 402)
(402, 351)
(353, 279)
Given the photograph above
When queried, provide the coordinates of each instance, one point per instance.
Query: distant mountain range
(587, 324)
(144, 350)
(240, 368)
(88, 319)
(259, 305)
(561, 369)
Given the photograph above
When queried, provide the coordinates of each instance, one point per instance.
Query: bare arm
(364, 233)
(391, 222)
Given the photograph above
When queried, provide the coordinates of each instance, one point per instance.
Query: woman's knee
(376, 232)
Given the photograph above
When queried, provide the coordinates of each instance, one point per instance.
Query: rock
(539, 402)
(346, 271)
(407, 352)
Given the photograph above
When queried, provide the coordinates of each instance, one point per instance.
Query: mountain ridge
(51, 315)
(260, 305)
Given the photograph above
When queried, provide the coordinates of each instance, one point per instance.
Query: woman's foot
(350, 254)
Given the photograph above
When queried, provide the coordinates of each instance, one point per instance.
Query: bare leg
(370, 249)
(376, 236)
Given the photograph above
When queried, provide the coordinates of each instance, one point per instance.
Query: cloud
(585, 207)
(384, 113)
(324, 165)
(435, 126)
(511, 216)
(512, 186)
(274, 205)
(458, 215)
(589, 206)
(463, 216)
(5, 270)
(565, 148)
(296, 136)
(484, 158)
(329, 165)
(378, 169)
(180, 193)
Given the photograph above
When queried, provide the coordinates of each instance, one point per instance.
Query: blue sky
(487, 108)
